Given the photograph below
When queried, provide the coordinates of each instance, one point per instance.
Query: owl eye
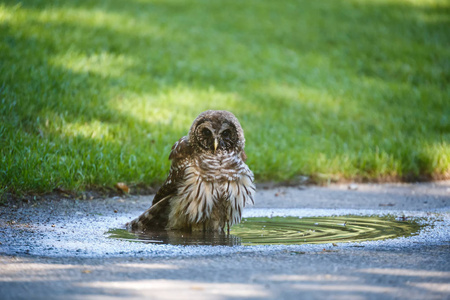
(206, 132)
(226, 133)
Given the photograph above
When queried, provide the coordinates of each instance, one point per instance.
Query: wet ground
(60, 249)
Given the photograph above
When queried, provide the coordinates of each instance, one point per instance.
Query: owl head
(217, 131)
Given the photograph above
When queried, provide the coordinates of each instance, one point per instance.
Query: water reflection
(177, 238)
(321, 230)
(285, 230)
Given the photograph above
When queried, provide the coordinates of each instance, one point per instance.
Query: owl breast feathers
(209, 183)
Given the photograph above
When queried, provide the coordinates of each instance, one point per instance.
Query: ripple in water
(286, 231)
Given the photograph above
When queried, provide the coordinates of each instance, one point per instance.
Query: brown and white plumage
(209, 183)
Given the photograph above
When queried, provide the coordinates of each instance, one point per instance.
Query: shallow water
(286, 231)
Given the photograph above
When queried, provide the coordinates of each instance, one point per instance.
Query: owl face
(216, 132)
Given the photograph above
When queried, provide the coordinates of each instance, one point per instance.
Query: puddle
(286, 231)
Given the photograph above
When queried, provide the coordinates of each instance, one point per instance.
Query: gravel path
(58, 250)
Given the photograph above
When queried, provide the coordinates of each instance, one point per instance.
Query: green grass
(96, 92)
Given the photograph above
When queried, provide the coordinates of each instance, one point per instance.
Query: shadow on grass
(97, 92)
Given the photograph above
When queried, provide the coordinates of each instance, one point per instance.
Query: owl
(209, 183)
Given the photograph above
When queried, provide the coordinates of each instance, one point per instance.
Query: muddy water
(286, 231)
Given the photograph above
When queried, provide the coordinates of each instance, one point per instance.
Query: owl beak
(216, 143)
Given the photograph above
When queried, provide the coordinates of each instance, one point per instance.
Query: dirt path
(58, 250)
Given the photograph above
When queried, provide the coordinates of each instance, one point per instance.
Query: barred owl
(209, 183)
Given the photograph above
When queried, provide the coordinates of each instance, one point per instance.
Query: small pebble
(353, 187)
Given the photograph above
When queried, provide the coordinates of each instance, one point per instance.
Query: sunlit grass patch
(96, 92)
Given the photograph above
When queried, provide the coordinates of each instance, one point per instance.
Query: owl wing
(157, 216)
(179, 155)
(243, 156)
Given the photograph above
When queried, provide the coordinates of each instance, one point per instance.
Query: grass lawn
(96, 92)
